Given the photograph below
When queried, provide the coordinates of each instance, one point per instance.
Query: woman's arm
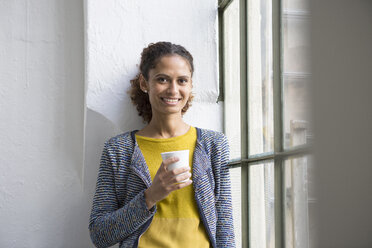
(225, 229)
(110, 224)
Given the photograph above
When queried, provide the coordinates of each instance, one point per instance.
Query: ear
(143, 83)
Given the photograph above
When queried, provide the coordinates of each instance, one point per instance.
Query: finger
(180, 185)
(169, 161)
(173, 173)
(180, 170)
(162, 169)
(164, 164)
(180, 178)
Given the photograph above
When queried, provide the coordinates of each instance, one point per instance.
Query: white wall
(46, 188)
(41, 124)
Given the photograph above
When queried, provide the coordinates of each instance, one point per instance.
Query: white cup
(183, 161)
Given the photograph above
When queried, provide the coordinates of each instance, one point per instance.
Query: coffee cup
(183, 161)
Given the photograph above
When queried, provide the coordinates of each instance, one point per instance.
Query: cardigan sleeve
(225, 230)
(110, 224)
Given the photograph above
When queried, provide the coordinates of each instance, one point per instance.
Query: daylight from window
(265, 52)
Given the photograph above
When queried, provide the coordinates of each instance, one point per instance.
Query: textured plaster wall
(42, 203)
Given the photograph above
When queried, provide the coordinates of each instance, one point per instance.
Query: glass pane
(299, 203)
(296, 73)
(232, 78)
(235, 175)
(261, 205)
(296, 5)
(260, 77)
(231, 66)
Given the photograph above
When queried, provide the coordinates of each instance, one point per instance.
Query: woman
(138, 202)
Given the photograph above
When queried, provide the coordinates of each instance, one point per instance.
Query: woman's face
(169, 85)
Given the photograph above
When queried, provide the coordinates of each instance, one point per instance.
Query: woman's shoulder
(210, 135)
(214, 143)
(212, 140)
(121, 140)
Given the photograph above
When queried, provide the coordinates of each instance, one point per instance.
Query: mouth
(170, 101)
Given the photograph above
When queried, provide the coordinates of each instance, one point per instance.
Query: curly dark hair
(149, 58)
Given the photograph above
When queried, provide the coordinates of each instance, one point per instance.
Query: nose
(173, 87)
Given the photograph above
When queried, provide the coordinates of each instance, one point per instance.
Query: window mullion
(221, 44)
(244, 120)
(278, 123)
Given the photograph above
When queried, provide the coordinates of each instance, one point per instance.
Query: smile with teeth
(170, 100)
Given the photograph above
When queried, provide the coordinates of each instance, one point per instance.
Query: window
(265, 74)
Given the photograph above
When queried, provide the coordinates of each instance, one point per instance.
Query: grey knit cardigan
(119, 212)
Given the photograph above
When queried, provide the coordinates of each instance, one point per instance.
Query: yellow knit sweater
(176, 222)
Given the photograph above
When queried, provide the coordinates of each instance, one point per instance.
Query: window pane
(296, 5)
(299, 203)
(261, 205)
(235, 175)
(296, 76)
(231, 66)
(260, 77)
(232, 78)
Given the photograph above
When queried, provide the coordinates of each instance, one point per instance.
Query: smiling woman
(168, 86)
(140, 201)
(165, 53)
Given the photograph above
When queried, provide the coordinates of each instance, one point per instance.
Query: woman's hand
(166, 181)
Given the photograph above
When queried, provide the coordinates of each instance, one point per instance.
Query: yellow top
(176, 222)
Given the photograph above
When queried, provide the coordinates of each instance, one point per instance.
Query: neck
(165, 127)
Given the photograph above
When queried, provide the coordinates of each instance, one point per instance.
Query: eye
(182, 81)
(161, 79)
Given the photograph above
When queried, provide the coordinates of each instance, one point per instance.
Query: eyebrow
(165, 75)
